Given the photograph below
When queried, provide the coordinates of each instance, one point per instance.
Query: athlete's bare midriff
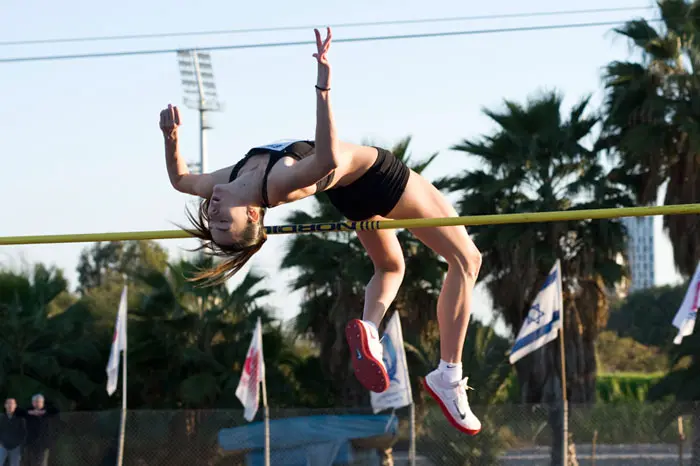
(355, 160)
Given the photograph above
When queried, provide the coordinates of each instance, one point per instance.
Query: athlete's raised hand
(170, 122)
(322, 46)
(321, 55)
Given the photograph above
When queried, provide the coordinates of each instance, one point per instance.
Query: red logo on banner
(251, 369)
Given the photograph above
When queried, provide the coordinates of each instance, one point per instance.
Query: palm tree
(187, 345)
(536, 161)
(188, 338)
(652, 115)
(332, 273)
(45, 347)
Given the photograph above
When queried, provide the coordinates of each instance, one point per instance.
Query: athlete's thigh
(383, 248)
(423, 200)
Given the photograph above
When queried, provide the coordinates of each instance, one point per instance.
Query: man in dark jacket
(13, 433)
(38, 419)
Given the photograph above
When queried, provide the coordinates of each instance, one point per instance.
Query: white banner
(248, 391)
(118, 345)
(685, 318)
(398, 394)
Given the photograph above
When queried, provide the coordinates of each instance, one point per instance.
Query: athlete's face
(227, 219)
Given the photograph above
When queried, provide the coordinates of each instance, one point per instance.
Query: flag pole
(265, 408)
(122, 422)
(565, 404)
(412, 406)
(253, 378)
(267, 423)
(412, 444)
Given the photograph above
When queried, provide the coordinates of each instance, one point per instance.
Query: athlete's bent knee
(467, 259)
(474, 262)
(391, 266)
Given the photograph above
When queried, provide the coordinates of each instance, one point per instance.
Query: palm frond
(638, 31)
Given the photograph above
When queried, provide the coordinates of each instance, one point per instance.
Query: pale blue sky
(81, 147)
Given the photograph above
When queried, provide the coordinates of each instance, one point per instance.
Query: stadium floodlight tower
(197, 77)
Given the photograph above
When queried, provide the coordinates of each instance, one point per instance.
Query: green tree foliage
(624, 354)
(626, 387)
(683, 385)
(43, 349)
(651, 118)
(104, 263)
(536, 161)
(652, 125)
(646, 316)
(188, 343)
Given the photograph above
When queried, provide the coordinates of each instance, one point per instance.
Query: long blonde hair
(235, 255)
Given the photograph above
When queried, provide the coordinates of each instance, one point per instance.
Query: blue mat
(306, 441)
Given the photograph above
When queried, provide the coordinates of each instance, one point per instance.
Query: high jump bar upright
(348, 226)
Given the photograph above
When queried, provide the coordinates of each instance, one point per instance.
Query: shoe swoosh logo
(359, 354)
(459, 411)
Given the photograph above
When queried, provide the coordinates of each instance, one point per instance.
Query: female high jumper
(363, 183)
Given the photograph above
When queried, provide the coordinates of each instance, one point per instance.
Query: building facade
(640, 251)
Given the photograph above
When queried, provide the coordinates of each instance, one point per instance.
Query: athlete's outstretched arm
(307, 172)
(326, 138)
(178, 172)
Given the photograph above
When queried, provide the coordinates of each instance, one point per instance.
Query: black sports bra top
(297, 150)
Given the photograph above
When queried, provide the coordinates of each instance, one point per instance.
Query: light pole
(197, 77)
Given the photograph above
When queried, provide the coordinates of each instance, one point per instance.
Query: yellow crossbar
(537, 217)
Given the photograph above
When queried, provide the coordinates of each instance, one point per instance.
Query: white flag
(248, 390)
(684, 320)
(118, 345)
(398, 394)
(544, 319)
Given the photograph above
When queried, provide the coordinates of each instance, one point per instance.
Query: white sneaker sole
(446, 412)
(369, 371)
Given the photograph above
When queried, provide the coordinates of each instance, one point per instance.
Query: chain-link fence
(601, 434)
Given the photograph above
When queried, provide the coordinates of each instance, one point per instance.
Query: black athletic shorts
(376, 192)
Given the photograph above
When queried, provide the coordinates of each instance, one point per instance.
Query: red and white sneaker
(366, 352)
(452, 399)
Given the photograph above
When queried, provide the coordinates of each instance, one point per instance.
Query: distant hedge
(610, 388)
(618, 387)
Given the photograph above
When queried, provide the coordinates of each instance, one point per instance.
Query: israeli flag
(544, 319)
(398, 394)
(684, 320)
